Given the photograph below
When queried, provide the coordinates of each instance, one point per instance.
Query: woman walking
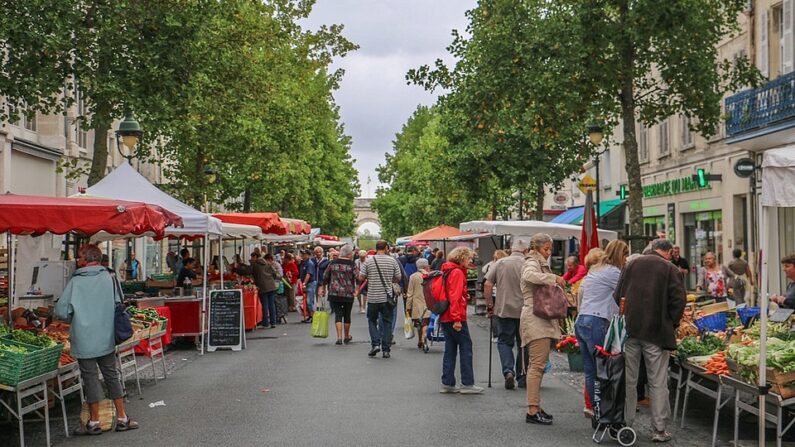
(538, 333)
(598, 306)
(454, 324)
(339, 282)
(415, 301)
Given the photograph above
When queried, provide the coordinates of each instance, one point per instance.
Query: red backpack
(434, 288)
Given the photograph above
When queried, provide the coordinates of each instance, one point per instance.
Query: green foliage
(234, 85)
(424, 191)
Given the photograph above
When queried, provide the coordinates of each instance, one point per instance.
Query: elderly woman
(457, 341)
(538, 333)
(713, 278)
(415, 300)
(598, 306)
(339, 283)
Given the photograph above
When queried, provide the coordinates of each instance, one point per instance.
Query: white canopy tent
(240, 231)
(529, 228)
(778, 191)
(125, 183)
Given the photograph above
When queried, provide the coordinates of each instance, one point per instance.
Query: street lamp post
(596, 135)
(128, 134)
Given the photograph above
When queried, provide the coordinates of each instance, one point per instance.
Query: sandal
(88, 429)
(348, 340)
(124, 425)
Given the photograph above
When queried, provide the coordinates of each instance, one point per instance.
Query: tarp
(238, 231)
(125, 183)
(269, 223)
(439, 233)
(529, 228)
(22, 214)
(778, 177)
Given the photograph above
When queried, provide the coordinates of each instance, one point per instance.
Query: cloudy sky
(394, 36)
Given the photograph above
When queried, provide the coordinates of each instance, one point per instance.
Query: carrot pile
(66, 359)
(717, 365)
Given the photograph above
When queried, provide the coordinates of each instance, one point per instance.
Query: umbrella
(589, 238)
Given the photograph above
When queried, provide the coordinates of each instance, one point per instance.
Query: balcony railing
(762, 107)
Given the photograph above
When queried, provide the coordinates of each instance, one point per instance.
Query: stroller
(610, 390)
(434, 333)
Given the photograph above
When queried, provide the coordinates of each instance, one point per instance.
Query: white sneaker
(446, 389)
(471, 389)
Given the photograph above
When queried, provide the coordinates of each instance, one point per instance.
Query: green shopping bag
(320, 322)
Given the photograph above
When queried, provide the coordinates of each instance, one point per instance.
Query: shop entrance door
(703, 232)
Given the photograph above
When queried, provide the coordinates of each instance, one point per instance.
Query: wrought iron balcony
(762, 110)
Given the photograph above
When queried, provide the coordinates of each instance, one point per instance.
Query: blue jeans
(508, 336)
(590, 331)
(311, 290)
(268, 300)
(379, 321)
(456, 342)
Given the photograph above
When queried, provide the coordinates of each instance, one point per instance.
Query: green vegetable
(12, 348)
(692, 346)
(774, 330)
(30, 338)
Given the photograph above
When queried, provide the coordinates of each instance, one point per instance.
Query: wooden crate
(783, 391)
(779, 378)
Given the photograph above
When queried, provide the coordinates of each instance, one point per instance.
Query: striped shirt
(376, 287)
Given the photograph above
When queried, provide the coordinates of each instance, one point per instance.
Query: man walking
(88, 304)
(654, 302)
(265, 276)
(381, 271)
(506, 274)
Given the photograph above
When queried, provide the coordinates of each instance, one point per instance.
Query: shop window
(687, 134)
(665, 147)
(26, 120)
(643, 143)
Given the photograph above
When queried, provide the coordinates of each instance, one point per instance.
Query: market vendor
(788, 299)
(574, 270)
(187, 272)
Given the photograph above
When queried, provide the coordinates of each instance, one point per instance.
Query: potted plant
(569, 346)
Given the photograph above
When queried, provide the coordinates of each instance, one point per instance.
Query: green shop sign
(672, 187)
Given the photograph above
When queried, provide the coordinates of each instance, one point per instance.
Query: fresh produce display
(30, 338)
(3, 330)
(692, 346)
(11, 348)
(774, 330)
(66, 359)
(717, 365)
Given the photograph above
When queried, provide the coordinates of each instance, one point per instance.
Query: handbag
(391, 297)
(320, 321)
(121, 318)
(550, 302)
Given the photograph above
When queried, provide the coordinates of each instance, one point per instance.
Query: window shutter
(763, 52)
(786, 38)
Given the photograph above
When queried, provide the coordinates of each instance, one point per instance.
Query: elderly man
(654, 296)
(506, 274)
(88, 304)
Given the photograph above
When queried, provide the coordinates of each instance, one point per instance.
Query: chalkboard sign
(226, 328)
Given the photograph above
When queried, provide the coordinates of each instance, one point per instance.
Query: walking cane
(491, 345)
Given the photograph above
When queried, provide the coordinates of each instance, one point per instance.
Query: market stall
(37, 351)
(125, 183)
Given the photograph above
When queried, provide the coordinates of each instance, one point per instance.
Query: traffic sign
(587, 184)
(744, 167)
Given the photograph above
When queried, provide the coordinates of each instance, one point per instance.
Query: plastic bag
(320, 324)
(615, 336)
(408, 327)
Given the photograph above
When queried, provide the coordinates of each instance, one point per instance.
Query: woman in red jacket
(291, 273)
(454, 324)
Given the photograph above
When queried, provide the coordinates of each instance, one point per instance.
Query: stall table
(68, 382)
(28, 396)
(776, 401)
(186, 313)
(698, 380)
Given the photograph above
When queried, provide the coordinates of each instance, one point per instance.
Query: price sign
(226, 328)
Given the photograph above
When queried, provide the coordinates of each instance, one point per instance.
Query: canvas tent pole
(763, 304)
(11, 299)
(204, 291)
(221, 260)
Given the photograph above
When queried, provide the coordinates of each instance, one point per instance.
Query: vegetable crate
(18, 366)
(712, 323)
(746, 313)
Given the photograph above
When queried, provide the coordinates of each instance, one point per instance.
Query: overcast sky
(394, 36)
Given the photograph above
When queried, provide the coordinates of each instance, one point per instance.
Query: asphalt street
(290, 389)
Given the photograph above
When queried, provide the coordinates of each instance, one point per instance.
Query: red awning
(270, 223)
(297, 226)
(439, 233)
(22, 214)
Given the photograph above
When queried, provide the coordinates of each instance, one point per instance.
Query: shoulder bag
(550, 301)
(121, 319)
(391, 297)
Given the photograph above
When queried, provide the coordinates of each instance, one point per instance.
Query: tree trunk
(627, 98)
(247, 200)
(539, 205)
(99, 163)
